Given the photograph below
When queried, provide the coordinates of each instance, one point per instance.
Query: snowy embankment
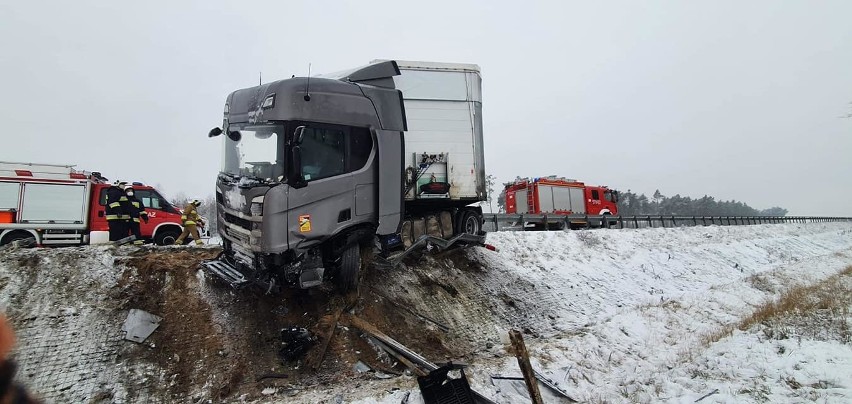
(630, 315)
(637, 306)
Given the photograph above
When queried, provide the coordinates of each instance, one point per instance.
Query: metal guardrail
(520, 222)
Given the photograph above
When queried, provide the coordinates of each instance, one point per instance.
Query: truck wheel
(166, 237)
(15, 236)
(350, 265)
(470, 222)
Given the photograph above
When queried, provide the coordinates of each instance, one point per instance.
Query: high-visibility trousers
(189, 229)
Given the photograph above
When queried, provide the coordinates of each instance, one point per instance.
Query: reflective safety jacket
(190, 214)
(116, 204)
(137, 209)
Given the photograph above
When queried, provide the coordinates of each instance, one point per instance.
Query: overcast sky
(737, 100)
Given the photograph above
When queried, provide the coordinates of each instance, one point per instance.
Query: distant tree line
(630, 204)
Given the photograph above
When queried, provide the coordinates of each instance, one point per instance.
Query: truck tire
(166, 237)
(350, 267)
(470, 222)
(15, 236)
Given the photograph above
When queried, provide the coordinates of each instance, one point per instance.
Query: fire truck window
(611, 196)
(9, 195)
(323, 152)
(361, 144)
(102, 197)
(149, 199)
(595, 195)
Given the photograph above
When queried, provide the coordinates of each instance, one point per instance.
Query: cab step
(225, 272)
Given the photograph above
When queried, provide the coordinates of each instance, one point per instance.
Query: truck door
(338, 169)
(594, 201)
(159, 211)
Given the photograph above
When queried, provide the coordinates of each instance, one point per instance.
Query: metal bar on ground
(392, 344)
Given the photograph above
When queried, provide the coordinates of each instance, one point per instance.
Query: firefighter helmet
(196, 201)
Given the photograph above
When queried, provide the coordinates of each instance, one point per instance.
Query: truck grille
(246, 224)
(242, 238)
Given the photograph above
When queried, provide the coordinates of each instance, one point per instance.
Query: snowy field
(615, 316)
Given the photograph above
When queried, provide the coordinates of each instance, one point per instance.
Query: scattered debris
(295, 341)
(139, 325)
(438, 388)
(707, 395)
(271, 376)
(361, 367)
(125, 240)
(408, 357)
(543, 380)
(269, 391)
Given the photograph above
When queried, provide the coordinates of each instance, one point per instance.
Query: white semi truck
(317, 171)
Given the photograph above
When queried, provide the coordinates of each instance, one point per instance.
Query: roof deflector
(376, 71)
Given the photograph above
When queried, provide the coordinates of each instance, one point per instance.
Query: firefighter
(191, 221)
(116, 215)
(137, 212)
(10, 392)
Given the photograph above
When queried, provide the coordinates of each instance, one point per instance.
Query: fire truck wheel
(470, 223)
(166, 237)
(15, 236)
(350, 265)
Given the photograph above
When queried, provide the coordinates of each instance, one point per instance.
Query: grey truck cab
(314, 175)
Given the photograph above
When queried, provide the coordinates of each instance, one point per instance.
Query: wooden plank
(315, 361)
(526, 368)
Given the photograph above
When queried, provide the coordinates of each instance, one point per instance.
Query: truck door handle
(100, 213)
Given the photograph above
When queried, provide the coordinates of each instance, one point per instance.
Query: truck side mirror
(296, 179)
(214, 132)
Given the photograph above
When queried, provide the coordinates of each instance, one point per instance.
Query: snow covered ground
(631, 312)
(643, 315)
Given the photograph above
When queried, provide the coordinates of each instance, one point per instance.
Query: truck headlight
(256, 209)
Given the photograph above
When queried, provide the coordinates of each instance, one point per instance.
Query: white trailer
(444, 142)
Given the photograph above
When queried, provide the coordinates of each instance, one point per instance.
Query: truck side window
(596, 195)
(361, 144)
(323, 153)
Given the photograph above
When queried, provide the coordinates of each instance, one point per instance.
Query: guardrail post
(588, 222)
(620, 222)
(650, 224)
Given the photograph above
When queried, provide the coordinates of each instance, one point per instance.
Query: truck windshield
(258, 154)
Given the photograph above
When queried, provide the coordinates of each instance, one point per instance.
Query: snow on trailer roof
(419, 65)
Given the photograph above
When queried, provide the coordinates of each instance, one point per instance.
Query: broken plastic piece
(360, 367)
(295, 341)
(438, 387)
(139, 325)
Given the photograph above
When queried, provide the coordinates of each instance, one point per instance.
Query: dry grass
(832, 295)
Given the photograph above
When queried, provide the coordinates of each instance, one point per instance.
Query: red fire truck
(560, 196)
(58, 205)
